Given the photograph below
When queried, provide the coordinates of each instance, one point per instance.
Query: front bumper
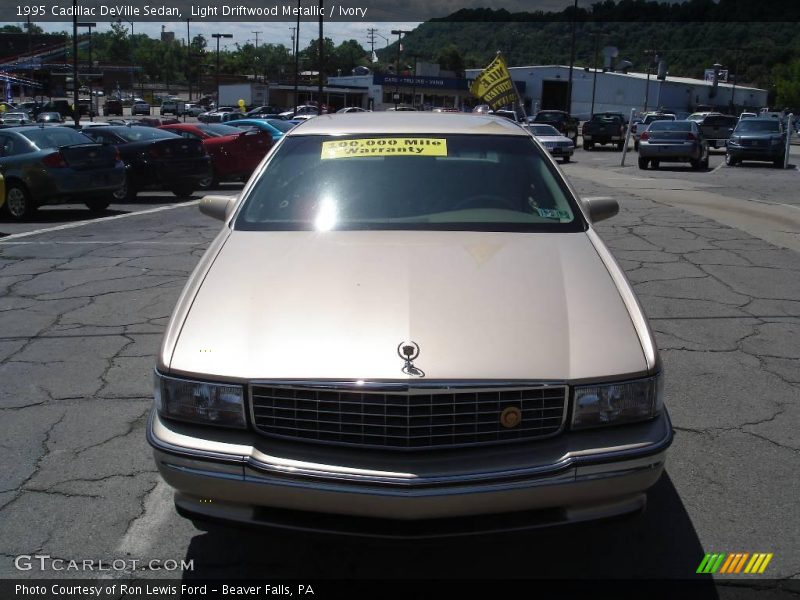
(770, 153)
(241, 476)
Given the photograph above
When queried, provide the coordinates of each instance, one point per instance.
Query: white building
(546, 87)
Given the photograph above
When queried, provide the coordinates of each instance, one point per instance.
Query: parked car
(54, 165)
(216, 115)
(717, 129)
(234, 153)
(193, 110)
(638, 127)
(15, 118)
(140, 107)
(112, 107)
(673, 141)
(171, 106)
(762, 139)
(276, 127)
(560, 146)
(305, 109)
(32, 107)
(351, 109)
(561, 120)
(155, 158)
(604, 128)
(61, 106)
(49, 117)
(699, 116)
(264, 111)
(360, 347)
(748, 115)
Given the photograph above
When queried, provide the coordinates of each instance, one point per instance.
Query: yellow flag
(493, 85)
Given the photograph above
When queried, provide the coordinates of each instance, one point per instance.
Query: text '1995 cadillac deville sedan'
(408, 326)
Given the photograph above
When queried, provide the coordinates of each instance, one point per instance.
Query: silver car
(407, 325)
(673, 141)
(560, 146)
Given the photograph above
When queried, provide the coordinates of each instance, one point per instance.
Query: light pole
(76, 112)
(296, 61)
(188, 60)
(91, 97)
(571, 58)
(321, 52)
(217, 36)
(399, 33)
(255, 68)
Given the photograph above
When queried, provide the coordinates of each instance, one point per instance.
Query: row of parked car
(101, 163)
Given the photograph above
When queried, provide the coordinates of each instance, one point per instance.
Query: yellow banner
(493, 85)
(384, 147)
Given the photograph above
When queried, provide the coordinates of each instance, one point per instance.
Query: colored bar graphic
(734, 562)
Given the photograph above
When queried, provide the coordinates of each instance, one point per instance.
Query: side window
(189, 135)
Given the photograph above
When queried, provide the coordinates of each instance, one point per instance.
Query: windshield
(543, 130)
(53, 137)
(549, 116)
(413, 182)
(752, 125)
(140, 134)
(653, 118)
(215, 130)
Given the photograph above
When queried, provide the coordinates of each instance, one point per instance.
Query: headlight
(735, 140)
(776, 141)
(200, 402)
(617, 403)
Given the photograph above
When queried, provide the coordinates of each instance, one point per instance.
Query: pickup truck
(604, 128)
(563, 121)
(717, 129)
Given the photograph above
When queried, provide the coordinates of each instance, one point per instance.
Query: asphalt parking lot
(715, 260)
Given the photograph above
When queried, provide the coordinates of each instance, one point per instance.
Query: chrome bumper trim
(297, 474)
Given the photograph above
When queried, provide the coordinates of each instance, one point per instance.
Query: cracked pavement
(81, 315)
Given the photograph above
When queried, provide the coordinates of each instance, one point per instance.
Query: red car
(235, 154)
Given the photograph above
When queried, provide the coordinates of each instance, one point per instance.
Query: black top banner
(401, 10)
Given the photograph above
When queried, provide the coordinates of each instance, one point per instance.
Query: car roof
(407, 122)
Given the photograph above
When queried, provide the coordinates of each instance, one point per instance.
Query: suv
(63, 107)
(169, 106)
(561, 120)
(113, 107)
(140, 107)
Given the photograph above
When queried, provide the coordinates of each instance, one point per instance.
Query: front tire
(778, 163)
(98, 206)
(19, 205)
(565, 159)
(730, 161)
(182, 191)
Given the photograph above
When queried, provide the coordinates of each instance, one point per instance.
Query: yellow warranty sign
(384, 147)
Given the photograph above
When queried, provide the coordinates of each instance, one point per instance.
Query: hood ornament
(409, 351)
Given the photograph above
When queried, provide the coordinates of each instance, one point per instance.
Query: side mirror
(602, 208)
(218, 207)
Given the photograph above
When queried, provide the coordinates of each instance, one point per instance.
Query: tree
(10, 29)
(450, 59)
(787, 85)
(311, 56)
(349, 55)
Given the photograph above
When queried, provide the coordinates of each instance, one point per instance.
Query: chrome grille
(406, 418)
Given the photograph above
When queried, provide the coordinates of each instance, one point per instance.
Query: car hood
(550, 139)
(336, 305)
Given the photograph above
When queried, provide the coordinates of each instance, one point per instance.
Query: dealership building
(547, 87)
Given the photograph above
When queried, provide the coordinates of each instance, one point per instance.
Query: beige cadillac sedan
(408, 326)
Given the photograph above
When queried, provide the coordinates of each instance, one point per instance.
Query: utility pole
(597, 35)
(571, 58)
(76, 112)
(255, 71)
(218, 36)
(293, 30)
(371, 35)
(399, 33)
(650, 56)
(321, 66)
(189, 59)
(296, 61)
(91, 97)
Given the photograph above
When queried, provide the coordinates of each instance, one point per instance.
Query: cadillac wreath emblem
(409, 351)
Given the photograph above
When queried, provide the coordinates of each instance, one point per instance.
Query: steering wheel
(486, 201)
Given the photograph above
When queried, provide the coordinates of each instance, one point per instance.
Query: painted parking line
(149, 211)
(718, 167)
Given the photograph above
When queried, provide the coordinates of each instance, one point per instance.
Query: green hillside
(758, 53)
